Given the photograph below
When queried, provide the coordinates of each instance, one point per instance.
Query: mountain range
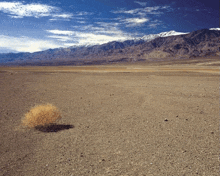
(200, 43)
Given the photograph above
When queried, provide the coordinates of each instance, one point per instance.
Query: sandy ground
(129, 120)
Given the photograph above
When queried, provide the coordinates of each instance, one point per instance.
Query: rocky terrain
(200, 43)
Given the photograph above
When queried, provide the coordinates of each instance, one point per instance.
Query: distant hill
(200, 43)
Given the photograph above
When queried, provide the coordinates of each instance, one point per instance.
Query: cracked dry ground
(163, 123)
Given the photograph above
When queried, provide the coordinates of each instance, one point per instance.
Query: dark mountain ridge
(198, 43)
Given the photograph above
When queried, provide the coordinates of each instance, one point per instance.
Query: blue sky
(30, 25)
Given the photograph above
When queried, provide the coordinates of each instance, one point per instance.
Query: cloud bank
(26, 44)
(156, 10)
(142, 15)
(132, 22)
(97, 35)
(20, 10)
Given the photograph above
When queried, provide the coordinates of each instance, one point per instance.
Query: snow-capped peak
(162, 34)
(170, 33)
(217, 29)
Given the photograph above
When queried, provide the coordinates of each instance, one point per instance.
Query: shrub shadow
(53, 128)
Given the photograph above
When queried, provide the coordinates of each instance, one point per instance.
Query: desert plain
(152, 119)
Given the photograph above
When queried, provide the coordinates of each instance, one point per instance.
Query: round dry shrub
(41, 115)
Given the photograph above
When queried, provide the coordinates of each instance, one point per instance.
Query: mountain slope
(198, 43)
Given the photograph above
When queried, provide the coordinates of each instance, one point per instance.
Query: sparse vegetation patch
(41, 115)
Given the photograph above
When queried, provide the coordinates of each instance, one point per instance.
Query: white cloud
(132, 22)
(63, 16)
(84, 13)
(194, 9)
(53, 19)
(141, 3)
(126, 11)
(81, 22)
(69, 44)
(111, 26)
(140, 15)
(93, 39)
(136, 20)
(26, 44)
(102, 28)
(155, 23)
(67, 16)
(86, 35)
(20, 10)
(61, 32)
(60, 38)
(156, 10)
(90, 35)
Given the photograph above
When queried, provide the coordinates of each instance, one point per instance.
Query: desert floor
(131, 119)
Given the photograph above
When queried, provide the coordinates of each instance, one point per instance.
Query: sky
(36, 25)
